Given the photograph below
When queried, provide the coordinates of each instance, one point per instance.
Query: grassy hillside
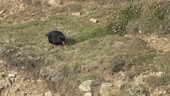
(97, 51)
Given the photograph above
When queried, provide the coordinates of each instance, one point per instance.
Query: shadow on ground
(70, 41)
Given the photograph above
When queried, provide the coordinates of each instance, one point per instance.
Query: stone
(55, 3)
(138, 80)
(1, 61)
(57, 94)
(88, 94)
(105, 88)
(25, 94)
(49, 93)
(119, 83)
(76, 14)
(140, 31)
(2, 12)
(11, 75)
(86, 85)
(93, 20)
(1, 86)
(2, 75)
(22, 7)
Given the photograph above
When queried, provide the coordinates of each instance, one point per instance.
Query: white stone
(55, 3)
(105, 88)
(86, 85)
(88, 94)
(49, 93)
(11, 75)
(119, 83)
(93, 20)
(159, 73)
(2, 12)
(76, 14)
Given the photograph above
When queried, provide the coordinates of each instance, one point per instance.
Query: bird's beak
(63, 43)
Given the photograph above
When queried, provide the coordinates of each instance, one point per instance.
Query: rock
(159, 73)
(138, 80)
(57, 94)
(119, 83)
(76, 14)
(22, 7)
(11, 75)
(93, 20)
(139, 91)
(39, 94)
(2, 12)
(49, 93)
(1, 61)
(88, 94)
(55, 3)
(105, 88)
(1, 86)
(140, 32)
(86, 85)
(2, 75)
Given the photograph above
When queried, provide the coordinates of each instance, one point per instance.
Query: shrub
(118, 26)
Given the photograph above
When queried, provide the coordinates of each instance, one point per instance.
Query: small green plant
(118, 26)
(89, 33)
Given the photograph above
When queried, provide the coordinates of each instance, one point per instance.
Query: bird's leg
(52, 46)
(63, 43)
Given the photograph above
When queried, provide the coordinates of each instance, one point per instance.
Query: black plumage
(56, 38)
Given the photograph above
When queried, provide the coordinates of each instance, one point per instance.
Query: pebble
(119, 83)
(93, 20)
(49, 93)
(76, 14)
(1, 61)
(86, 85)
(105, 88)
(88, 94)
(11, 75)
(2, 12)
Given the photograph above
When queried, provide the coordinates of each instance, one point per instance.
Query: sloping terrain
(120, 46)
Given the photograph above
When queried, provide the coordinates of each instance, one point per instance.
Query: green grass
(156, 81)
(157, 17)
(161, 62)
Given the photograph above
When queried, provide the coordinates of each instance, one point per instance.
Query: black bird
(56, 38)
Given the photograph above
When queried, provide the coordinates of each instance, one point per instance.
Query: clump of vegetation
(156, 20)
(114, 26)
(161, 62)
(156, 81)
(138, 57)
(118, 25)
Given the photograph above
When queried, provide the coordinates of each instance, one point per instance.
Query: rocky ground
(14, 82)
